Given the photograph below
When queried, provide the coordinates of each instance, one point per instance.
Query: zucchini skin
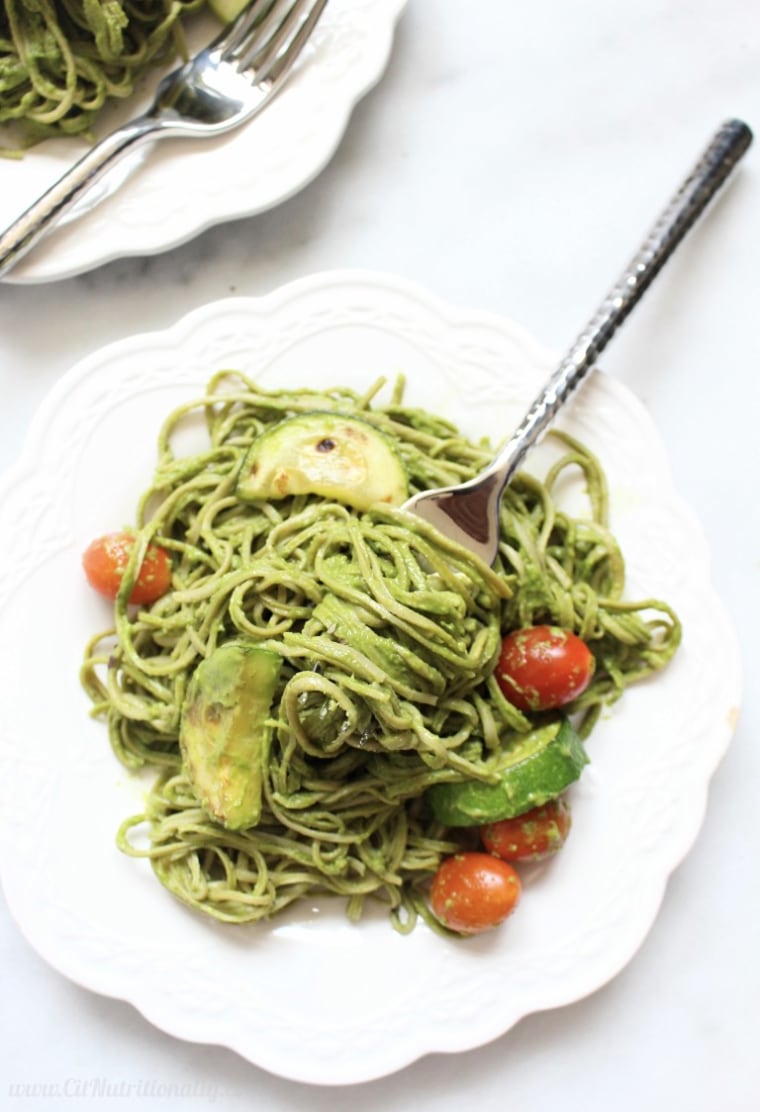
(542, 765)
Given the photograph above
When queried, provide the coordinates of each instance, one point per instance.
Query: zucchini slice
(539, 767)
(337, 457)
(225, 733)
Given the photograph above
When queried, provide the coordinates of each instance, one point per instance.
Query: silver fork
(469, 512)
(218, 89)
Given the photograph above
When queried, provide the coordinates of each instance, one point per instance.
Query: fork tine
(272, 59)
(252, 21)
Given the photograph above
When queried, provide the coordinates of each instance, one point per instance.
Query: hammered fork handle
(724, 151)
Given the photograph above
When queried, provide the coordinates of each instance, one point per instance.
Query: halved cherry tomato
(474, 891)
(543, 667)
(106, 558)
(532, 836)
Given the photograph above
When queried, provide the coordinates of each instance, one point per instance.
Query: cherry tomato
(106, 558)
(474, 891)
(532, 836)
(543, 667)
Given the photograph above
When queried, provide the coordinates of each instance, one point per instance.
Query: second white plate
(184, 187)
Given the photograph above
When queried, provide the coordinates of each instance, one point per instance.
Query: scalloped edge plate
(178, 189)
(309, 996)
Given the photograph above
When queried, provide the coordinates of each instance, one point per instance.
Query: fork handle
(53, 205)
(724, 151)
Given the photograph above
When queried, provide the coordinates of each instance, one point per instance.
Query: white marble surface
(510, 159)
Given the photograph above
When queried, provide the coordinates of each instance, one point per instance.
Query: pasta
(61, 61)
(363, 723)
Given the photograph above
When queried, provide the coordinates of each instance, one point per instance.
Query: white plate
(181, 188)
(311, 997)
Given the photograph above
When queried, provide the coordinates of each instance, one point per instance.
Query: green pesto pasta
(364, 725)
(61, 60)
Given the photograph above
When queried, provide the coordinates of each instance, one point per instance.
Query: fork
(469, 512)
(218, 89)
